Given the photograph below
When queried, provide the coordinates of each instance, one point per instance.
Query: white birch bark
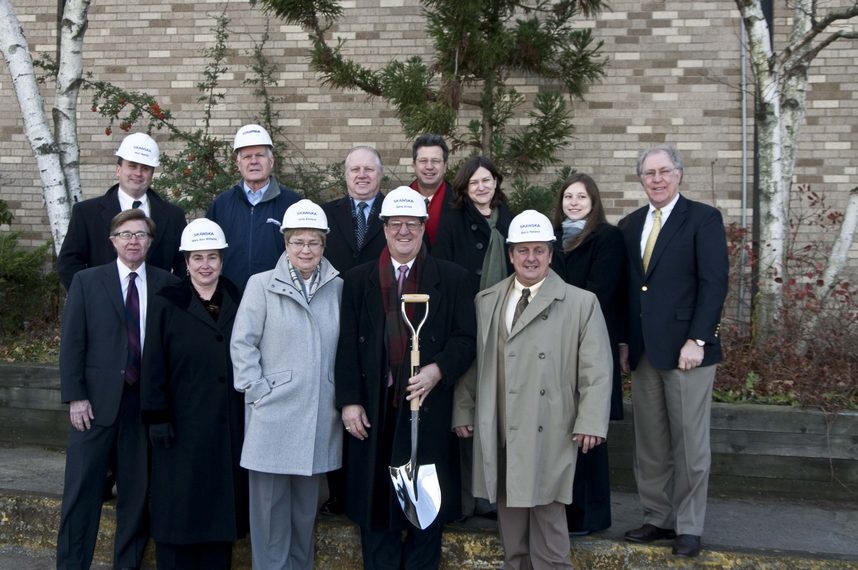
(16, 52)
(781, 82)
(69, 77)
(772, 214)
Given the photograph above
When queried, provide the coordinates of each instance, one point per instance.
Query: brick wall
(674, 77)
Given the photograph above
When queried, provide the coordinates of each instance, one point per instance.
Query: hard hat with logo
(403, 201)
(305, 214)
(251, 135)
(140, 148)
(202, 234)
(530, 225)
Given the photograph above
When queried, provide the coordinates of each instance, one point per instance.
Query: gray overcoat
(283, 352)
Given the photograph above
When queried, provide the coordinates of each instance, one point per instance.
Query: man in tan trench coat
(543, 389)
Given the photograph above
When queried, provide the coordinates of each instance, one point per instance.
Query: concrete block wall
(674, 77)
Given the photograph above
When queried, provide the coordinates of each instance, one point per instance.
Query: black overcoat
(87, 243)
(598, 265)
(463, 237)
(198, 492)
(448, 340)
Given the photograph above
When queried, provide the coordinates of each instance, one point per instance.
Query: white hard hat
(140, 148)
(403, 201)
(202, 234)
(251, 135)
(530, 225)
(305, 214)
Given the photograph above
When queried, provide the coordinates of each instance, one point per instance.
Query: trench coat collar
(554, 288)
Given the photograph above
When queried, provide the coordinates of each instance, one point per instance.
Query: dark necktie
(521, 305)
(360, 224)
(400, 282)
(132, 322)
(136, 204)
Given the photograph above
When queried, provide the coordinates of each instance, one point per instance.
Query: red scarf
(436, 204)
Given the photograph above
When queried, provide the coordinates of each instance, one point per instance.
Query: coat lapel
(113, 288)
(343, 220)
(374, 224)
(372, 301)
(668, 231)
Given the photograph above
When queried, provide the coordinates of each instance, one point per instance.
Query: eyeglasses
(126, 236)
(411, 226)
(663, 173)
(314, 246)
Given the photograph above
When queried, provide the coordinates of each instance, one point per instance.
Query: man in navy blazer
(98, 381)
(364, 171)
(86, 243)
(677, 286)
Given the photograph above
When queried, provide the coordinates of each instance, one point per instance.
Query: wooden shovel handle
(415, 298)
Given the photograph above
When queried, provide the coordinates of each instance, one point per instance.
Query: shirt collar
(667, 209)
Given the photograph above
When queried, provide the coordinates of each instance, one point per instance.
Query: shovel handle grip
(415, 298)
(415, 369)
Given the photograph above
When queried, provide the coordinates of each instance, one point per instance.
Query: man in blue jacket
(250, 212)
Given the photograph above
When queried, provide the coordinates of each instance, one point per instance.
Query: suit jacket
(447, 339)
(341, 249)
(682, 293)
(87, 243)
(94, 341)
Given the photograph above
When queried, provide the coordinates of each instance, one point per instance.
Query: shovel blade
(422, 508)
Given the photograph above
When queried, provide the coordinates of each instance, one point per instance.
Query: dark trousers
(87, 459)
(199, 556)
(389, 550)
(591, 495)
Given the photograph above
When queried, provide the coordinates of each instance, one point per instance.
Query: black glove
(161, 435)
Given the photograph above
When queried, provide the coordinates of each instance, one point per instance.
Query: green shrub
(28, 290)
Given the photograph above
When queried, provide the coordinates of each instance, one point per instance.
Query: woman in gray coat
(283, 347)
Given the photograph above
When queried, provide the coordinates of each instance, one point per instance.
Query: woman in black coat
(198, 492)
(591, 255)
(473, 234)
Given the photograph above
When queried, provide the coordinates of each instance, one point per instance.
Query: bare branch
(798, 49)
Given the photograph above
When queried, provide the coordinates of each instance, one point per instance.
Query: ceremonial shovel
(416, 486)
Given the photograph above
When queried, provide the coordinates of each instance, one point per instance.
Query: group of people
(221, 369)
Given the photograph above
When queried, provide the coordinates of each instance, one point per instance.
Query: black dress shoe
(579, 532)
(686, 545)
(650, 533)
(332, 506)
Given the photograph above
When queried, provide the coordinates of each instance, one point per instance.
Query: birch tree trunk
(15, 50)
(69, 77)
(57, 154)
(781, 89)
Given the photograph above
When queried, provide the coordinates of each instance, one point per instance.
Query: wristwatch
(700, 343)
